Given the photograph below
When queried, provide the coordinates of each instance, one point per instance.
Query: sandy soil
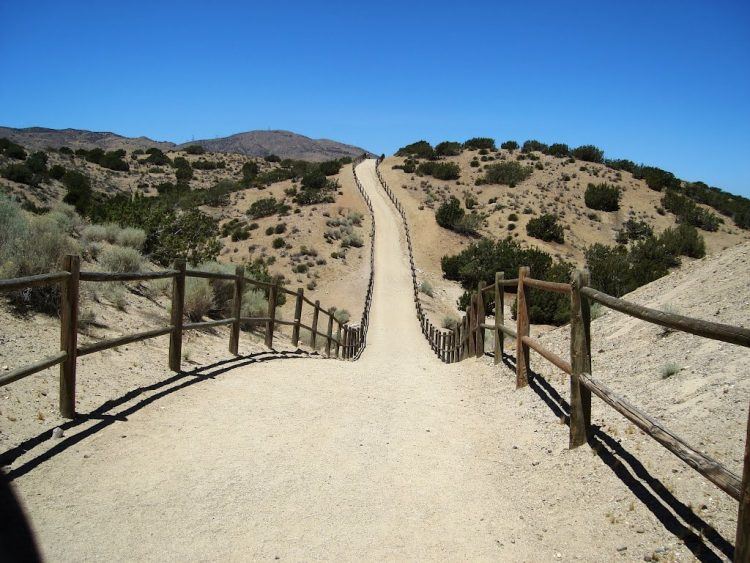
(394, 457)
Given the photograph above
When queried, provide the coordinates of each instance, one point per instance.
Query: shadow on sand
(107, 413)
(677, 517)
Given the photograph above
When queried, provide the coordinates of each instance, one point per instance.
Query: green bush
(37, 162)
(449, 213)
(656, 178)
(448, 148)
(478, 143)
(603, 197)
(271, 158)
(633, 230)
(687, 211)
(199, 298)
(546, 228)
(78, 190)
(588, 153)
(683, 240)
(266, 207)
(507, 173)
(113, 160)
(278, 242)
(533, 145)
(195, 149)
(420, 149)
(57, 172)
(560, 150)
(12, 150)
(249, 171)
(202, 164)
(330, 167)
(19, 173)
(156, 158)
(440, 170)
(120, 259)
(510, 146)
(482, 259)
(131, 237)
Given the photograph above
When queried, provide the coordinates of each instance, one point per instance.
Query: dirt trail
(396, 456)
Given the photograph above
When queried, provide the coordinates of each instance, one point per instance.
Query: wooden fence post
(742, 541)
(338, 338)
(69, 335)
(297, 316)
(329, 332)
(271, 323)
(580, 360)
(470, 319)
(239, 286)
(480, 320)
(345, 344)
(522, 329)
(499, 316)
(178, 305)
(314, 335)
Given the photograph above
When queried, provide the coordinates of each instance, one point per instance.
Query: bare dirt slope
(394, 457)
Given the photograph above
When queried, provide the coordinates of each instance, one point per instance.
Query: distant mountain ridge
(285, 144)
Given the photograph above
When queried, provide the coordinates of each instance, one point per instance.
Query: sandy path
(395, 457)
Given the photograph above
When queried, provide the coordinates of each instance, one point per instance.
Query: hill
(40, 138)
(284, 144)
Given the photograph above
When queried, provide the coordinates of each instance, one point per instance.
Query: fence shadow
(677, 517)
(106, 414)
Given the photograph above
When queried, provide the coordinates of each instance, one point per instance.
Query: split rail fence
(468, 340)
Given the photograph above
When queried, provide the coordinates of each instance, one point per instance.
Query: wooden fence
(344, 343)
(467, 340)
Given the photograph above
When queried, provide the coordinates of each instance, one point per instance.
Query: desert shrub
(202, 164)
(669, 369)
(448, 148)
(546, 228)
(272, 158)
(352, 239)
(482, 259)
(37, 162)
(156, 158)
(478, 143)
(510, 146)
(730, 205)
(266, 207)
(507, 173)
(426, 288)
(683, 240)
(533, 145)
(420, 149)
(440, 170)
(278, 242)
(78, 190)
(330, 167)
(223, 289)
(610, 269)
(633, 230)
(249, 171)
(95, 233)
(603, 197)
(120, 259)
(656, 178)
(199, 298)
(195, 149)
(449, 213)
(18, 173)
(687, 211)
(14, 232)
(56, 172)
(113, 160)
(131, 237)
(341, 315)
(559, 150)
(513, 217)
(254, 303)
(588, 153)
(12, 150)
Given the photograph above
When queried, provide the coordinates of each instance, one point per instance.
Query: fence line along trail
(395, 456)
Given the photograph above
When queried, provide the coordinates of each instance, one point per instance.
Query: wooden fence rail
(70, 350)
(468, 341)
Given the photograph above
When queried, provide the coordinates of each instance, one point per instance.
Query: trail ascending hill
(396, 456)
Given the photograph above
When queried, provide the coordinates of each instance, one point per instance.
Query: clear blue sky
(660, 82)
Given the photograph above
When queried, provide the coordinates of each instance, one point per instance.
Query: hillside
(284, 144)
(320, 246)
(555, 185)
(40, 138)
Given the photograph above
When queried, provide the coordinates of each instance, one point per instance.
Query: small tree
(560, 150)
(448, 148)
(508, 173)
(478, 143)
(546, 228)
(449, 213)
(603, 197)
(195, 149)
(533, 145)
(509, 146)
(420, 149)
(588, 153)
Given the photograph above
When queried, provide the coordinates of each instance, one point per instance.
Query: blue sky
(660, 82)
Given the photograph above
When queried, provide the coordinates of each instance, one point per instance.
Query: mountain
(281, 143)
(39, 138)
(285, 144)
